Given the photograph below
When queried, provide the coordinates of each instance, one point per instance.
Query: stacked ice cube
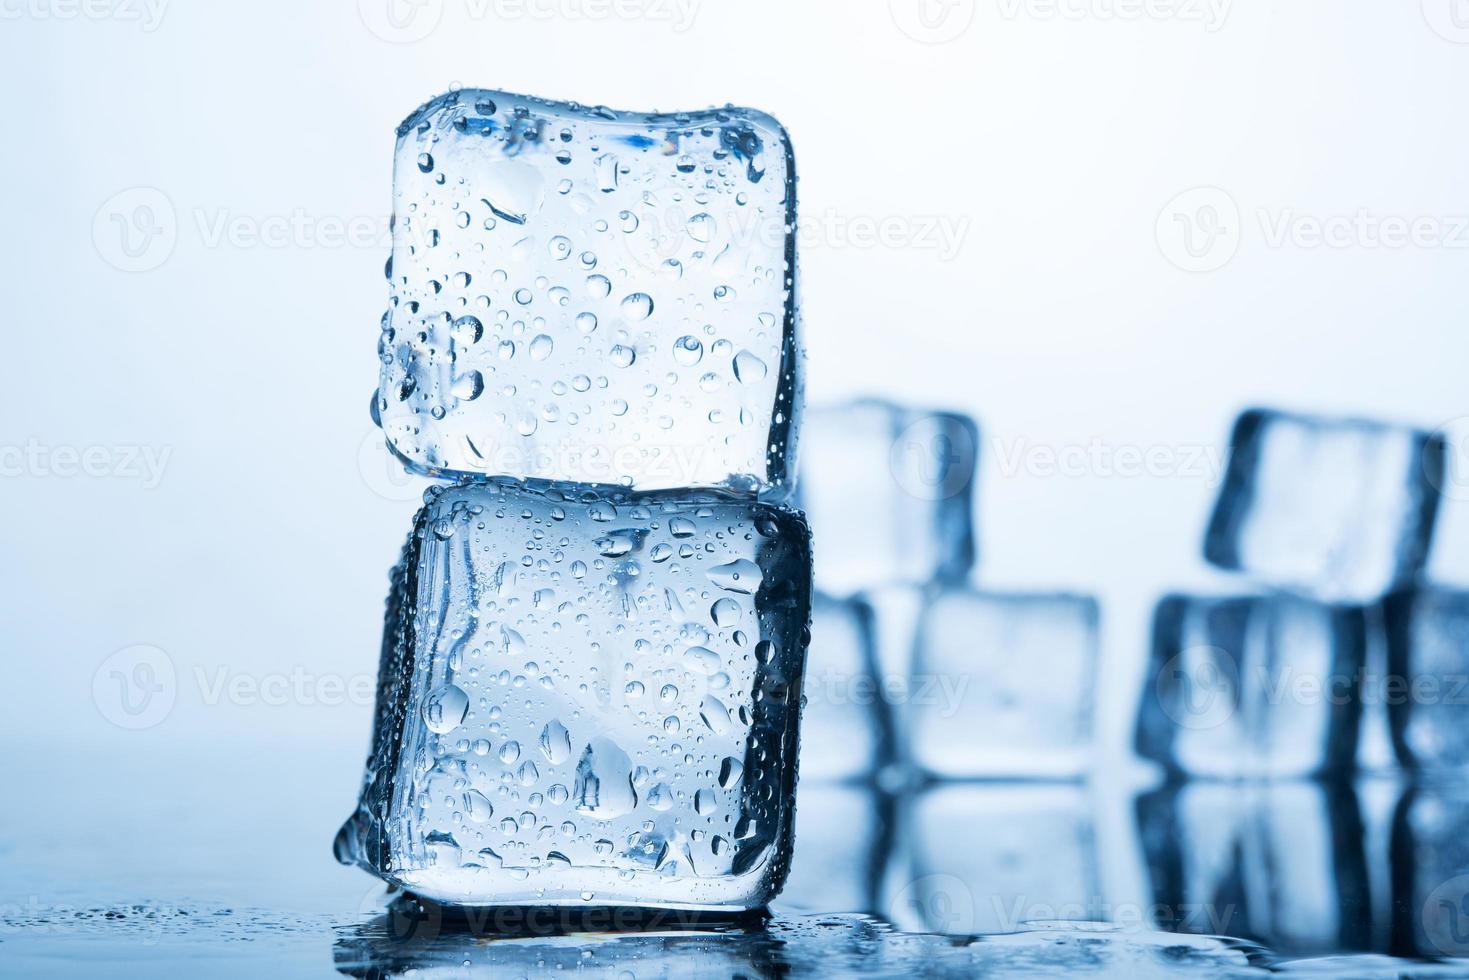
(918, 680)
(595, 644)
(1330, 516)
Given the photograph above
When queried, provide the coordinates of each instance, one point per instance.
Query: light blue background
(1056, 142)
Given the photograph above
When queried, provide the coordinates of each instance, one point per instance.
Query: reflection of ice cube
(1279, 863)
(911, 521)
(1002, 684)
(1430, 862)
(991, 857)
(592, 296)
(844, 834)
(596, 702)
(1259, 685)
(845, 730)
(1340, 509)
(1428, 662)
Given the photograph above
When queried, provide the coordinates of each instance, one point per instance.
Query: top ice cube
(1340, 509)
(590, 296)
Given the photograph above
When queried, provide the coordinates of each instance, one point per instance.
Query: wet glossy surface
(146, 857)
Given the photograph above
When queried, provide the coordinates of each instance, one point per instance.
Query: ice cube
(845, 834)
(593, 700)
(1341, 509)
(846, 732)
(1001, 685)
(1252, 686)
(1427, 692)
(1278, 863)
(889, 493)
(592, 296)
(1430, 864)
(992, 857)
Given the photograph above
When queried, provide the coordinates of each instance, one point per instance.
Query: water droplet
(701, 227)
(622, 356)
(669, 693)
(687, 350)
(704, 802)
(741, 575)
(526, 424)
(637, 306)
(559, 247)
(445, 708)
(748, 368)
(730, 771)
(634, 689)
(510, 752)
(682, 527)
(660, 553)
(555, 742)
(715, 715)
(541, 347)
(725, 612)
(702, 660)
(606, 171)
(467, 330)
(660, 797)
(599, 286)
(468, 386)
(425, 162)
(604, 787)
(477, 806)
(586, 322)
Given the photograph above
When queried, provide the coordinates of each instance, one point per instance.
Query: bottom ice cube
(1252, 686)
(1427, 691)
(1001, 685)
(590, 700)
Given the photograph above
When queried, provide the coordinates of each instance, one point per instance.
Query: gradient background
(1059, 146)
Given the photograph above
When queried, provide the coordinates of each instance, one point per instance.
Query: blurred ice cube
(1427, 691)
(1431, 871)
(889, 493)
(1278, 863)
(593, 700)
(1341, 509)
(992, 857)
(844, 838)
(1002, 685)
(845, 731)
(591, 296)
(1252, 686)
